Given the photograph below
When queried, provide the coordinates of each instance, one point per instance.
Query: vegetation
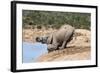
(55, 19)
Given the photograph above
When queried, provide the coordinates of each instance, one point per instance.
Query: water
(31, 51)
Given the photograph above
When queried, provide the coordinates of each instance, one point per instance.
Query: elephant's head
(42, 39)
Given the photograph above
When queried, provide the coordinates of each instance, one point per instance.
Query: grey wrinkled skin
(58, 40)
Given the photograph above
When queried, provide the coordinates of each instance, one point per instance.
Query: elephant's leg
(63, 45)
(49, 48)
(50, 39)
(67, 39)
(55, 43)
(71, 37)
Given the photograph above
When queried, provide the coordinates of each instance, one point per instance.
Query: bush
(56, 19)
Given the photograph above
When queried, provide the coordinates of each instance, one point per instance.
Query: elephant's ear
(50, 39)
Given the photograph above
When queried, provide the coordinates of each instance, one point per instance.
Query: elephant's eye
(37, 39)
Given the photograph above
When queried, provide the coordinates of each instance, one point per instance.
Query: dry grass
(29, 35)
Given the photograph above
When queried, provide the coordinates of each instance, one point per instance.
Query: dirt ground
(78, 49)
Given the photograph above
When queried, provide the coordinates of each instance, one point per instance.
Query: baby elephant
(59, 39)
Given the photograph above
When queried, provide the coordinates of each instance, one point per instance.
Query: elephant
(59, 39)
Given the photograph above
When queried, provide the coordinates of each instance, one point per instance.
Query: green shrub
(55, 19)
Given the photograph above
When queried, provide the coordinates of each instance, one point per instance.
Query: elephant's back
(64, 30)
(67, 27)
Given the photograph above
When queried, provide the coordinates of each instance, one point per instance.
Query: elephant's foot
(60, 48)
